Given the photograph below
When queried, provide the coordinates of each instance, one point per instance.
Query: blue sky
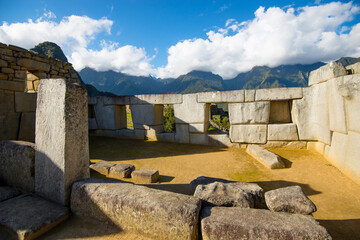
(168, 38)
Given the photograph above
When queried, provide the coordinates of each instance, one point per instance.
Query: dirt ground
(336, 196)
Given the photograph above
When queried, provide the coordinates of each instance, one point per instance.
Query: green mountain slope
(50, 49)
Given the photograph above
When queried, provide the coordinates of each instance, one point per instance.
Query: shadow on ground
(343, 229)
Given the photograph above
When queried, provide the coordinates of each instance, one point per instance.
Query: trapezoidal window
(219, 118)
(280, 112)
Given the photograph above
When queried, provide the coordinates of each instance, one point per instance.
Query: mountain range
(117, 83)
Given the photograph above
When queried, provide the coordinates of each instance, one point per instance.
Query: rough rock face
(267, 158)
(247, 223)
(8, 192)
(155, 213)
(203, 180)
(144, 176)
(17, 160)
(102, 167)
(289, 199)
(121, 170)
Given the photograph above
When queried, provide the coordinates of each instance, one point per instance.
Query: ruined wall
(20, 73)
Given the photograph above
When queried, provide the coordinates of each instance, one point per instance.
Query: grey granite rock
(144, 176)
(7, 192)
(102, 167)
(121, 170)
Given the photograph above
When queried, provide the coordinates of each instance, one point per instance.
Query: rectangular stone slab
(267, 158)
(154, 213)
(249, 223)
(29, 216)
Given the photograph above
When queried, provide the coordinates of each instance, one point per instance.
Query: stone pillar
(148, 117)
(62, 144)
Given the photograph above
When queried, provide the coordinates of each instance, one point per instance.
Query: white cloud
(275, 36)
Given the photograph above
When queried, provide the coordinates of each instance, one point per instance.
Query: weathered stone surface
(337, 115)
(102, 167)
(156, 99)
(109, 116)
(221, 96)
(248, 133)
(33, 65)
(154, 213)
(278, 94)
(285, 144)
(9, 120)
(121, 170)
(282, 132)
(29, 216)
(353, 156)
(145, 176)
(198, 127)
(250, 95)
(317, 146)
(190, 111)
(279, 112)
(3, 63)
(255, 192)
(25, 102)
(27, 127)
(352, 101)
(219, 140)
(324, 73)
(199, 138)
(248, 223)
(92, 100)
(132, 134)
(223, 194)
(267, 158)
(147, 114)
(62, 143)
(289, 199)
(17, 159)
(166, 137)
(355, 68)
(254, 112)
(182, 133)
(92, 124)
(7, 192)
(12, 85)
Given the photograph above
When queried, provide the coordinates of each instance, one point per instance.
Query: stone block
(317, 146)
(17, 159)
(131, 134)
(29, 216)
(351, 92)
(280, 112)
(249, 223)
(92, 100)
(182, 133)
(153, 213)
(267, 158)
(336, 152)
(145, 176)
(285, 144)
(25, 102)
(250, 95)
(153, 131)
(3, 63)
(245, 113)
(12, 85)
(337, 115)
(353, 155)
(102, 167)
(4, 76)
(248, 133)
(199, 138)
(198, 127)
(166, 137)
(110, 117)
(7, 70)
(33, 65)
(21, 74)
(156, 99)
(7, 192)
(147, 114)
(62, 143)
(121, 170)
(289, 199)
(278, 94)
(355, 68)
(282, 132)
(219, 140)
(92, 124)
(190, 111)
(221, 96)
(327, 72)
(117, 100)
(9, 119)
(27, 127)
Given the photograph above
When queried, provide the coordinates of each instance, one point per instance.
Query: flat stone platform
(335, 195)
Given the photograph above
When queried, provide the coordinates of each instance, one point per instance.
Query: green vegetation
(50, 49)
(169, 118)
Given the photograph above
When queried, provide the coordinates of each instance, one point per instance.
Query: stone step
(29, 216)
(267, 158)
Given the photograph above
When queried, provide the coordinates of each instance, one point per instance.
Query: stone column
(62, 143)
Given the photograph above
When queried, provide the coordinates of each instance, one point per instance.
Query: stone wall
(20, 73)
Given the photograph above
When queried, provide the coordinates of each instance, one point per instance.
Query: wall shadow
(272, 185)
(342, 229)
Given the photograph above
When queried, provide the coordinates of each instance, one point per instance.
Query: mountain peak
(50, 49)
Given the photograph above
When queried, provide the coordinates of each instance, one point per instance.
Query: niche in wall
(280, 112)
(129, 121)
(169, 118)
(219, 122)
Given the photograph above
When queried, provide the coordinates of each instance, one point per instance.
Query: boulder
(7, 192)
(151, 212)
(102, 167)
(289, 199)
(121, 170)
(247, 133)
(267, 158)
(203, 180)
(248, 223)
(144, 176)
(223, 194)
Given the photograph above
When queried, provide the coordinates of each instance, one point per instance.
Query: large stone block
(249, 223)
(317, 146)
(17, 159)
(9, 119)
(12, 85)
(278, 94)
(198, 127)
(27, 127)
(129, 133)
(190, 111)
(350, 90)
(147, 114)
(166, 137)
(353, 155)
(267, 158)
(25, 102)
(221, 97)
(33, 65)
(253, 112)
(199, 138)
(248, 133)
(219, 140)
(280, 112)
(182, 133)
(92, 124)
(327, 72)
(355, 68)
(154, 213)
(62, 144)
(337, 115)
(109, 116)
(282, 132)
(7, 192)
(156, 99)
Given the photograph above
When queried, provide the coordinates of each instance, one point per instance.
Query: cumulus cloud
(275, 36)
